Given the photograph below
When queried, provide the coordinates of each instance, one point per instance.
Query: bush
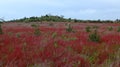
(34, 25)
(94, 37)
(88, 29)
(54, 35)
(118, 30)
(110, 28)
(37, 32)
(75, 20)
(69, 28)
(26, 20)
(1, 32)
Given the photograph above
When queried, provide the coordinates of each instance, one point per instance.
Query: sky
(79, 9)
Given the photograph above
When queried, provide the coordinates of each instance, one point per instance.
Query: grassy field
(60, 44)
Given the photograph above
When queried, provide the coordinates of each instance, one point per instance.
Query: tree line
(56, 18)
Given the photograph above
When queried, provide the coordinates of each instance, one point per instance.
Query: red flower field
(60, 45)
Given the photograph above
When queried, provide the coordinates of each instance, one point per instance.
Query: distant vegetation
(2, 20)
(46, 18)
(1, 32)
(56, 18)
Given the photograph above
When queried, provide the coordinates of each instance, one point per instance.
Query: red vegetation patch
(55, 47)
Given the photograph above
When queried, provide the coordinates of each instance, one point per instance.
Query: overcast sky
(80, 9)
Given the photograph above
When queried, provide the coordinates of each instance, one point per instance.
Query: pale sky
(80, 9)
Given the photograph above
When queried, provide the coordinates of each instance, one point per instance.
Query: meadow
(60, 44)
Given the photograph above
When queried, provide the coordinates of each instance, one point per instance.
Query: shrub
(37, 32)
(1, 32)
(54, 35)
(88, 29)
(26, 20)
(110, 28)
(75, 20)
(118, 30)
(69, 28)
(94, 36)
(34, 25)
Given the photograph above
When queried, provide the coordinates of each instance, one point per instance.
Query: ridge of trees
(56, 18)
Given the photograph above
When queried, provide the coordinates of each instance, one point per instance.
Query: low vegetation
(88, 29)
(1, 32)
(49, 44)
(110, 28)
(37, 31)
(56, 18)
(69, 28)
(94, 36)
(118, 29)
